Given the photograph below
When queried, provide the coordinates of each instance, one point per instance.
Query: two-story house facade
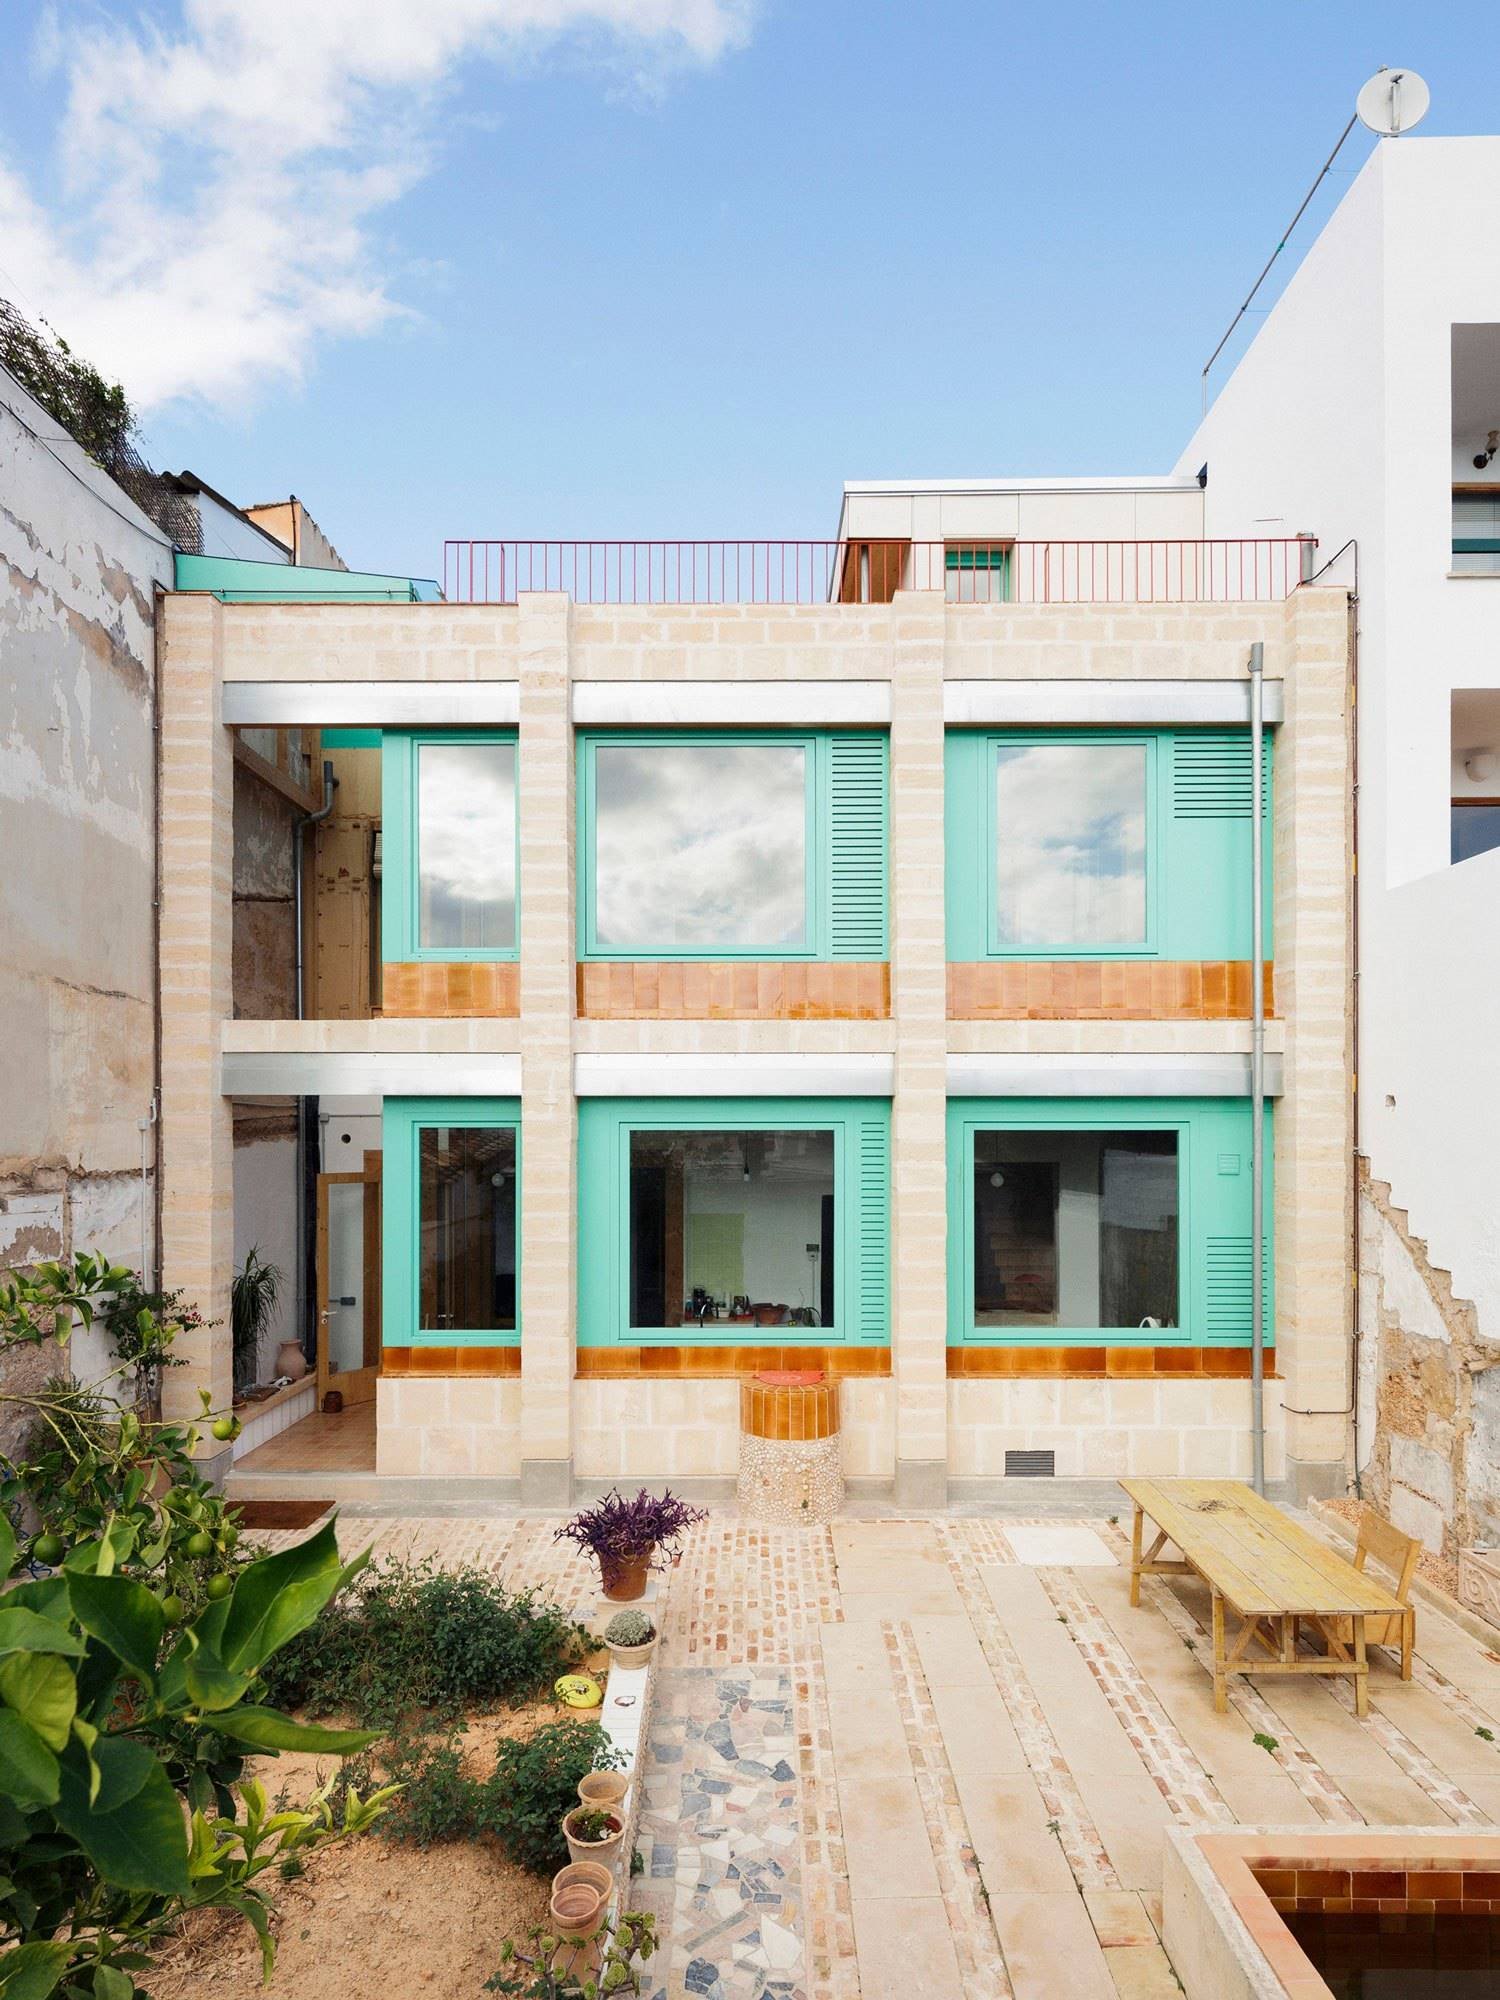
(786, 956)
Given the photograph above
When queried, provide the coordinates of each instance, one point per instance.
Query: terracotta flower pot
(605, 1852)
(624, 1582)
(605, 1789)
(633, 1656)
(579, 1902)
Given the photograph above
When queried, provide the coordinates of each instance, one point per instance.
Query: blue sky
(669, 267)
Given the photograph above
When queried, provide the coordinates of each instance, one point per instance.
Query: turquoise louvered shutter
(857, 845)
(870, 1175)
(1220, 1217)
(1211, 774)
(1206, 845)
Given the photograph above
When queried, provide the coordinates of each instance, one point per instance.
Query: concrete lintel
(719, 704)
(1141, 703)
(684, 1075)
(486, 704)
(1033, 1075)
(329, 1073)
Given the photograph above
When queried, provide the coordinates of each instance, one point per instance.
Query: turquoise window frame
(1197, 902)
(994, 557)
(400, 880)
(1204, 1129)
(816, 945)
(604, 1129)
(403, 1121)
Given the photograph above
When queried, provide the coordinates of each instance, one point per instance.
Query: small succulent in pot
(628, 1536)
(593, 1833)
(630, 1637)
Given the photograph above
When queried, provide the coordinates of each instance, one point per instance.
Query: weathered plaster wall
(78, 562)
(1428, 1389)
(265, 934)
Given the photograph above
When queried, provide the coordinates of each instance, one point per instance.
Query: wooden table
(1273, 1575)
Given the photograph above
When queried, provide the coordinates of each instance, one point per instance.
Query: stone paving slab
(925, 1758)
(1050, 1947)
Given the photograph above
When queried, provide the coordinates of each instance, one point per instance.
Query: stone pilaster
(919, 1192)
(196, 1144)
(549, 1200)
(1314, 889)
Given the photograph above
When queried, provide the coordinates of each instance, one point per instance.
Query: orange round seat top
(789, 1378)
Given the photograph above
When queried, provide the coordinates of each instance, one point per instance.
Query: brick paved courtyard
(938, 1756)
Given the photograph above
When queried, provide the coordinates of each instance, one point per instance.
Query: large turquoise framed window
(732, 844)
(736, 1221)
(1102, 1222)
(450, 863)
(1084, 843)
(451, 1216)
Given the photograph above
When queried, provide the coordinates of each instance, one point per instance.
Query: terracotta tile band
(798, 990)
(408, 1361)
(1110, 989)
(1217, 1363)
(430, 991)
(713, 1363)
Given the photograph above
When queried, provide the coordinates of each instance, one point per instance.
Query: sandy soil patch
(371, 1915)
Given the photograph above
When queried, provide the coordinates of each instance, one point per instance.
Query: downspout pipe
(299, 831)
(1257, 1072)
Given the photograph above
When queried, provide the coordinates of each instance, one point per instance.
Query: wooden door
(349, 1282)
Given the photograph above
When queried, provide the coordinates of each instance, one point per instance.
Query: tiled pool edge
(1223, 1934)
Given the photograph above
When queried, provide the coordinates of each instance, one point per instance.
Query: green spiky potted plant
(254, 1295)
(631, 1638)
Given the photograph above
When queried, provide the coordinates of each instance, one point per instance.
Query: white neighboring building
(1358, 411)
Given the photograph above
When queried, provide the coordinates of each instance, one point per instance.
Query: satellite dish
(1392, 102)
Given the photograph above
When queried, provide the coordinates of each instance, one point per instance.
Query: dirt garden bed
(371, 1915)
(422, 1903)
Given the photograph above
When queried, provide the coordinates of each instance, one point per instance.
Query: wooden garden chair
(1398, 1553)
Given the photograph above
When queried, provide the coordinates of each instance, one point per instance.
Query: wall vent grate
(1031, 1465)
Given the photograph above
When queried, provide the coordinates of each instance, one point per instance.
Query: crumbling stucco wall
(78, 564)
(265, 935)
(1428, 1433)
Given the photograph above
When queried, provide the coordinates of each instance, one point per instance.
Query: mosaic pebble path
(746, 1854)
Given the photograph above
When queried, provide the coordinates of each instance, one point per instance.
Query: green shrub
(438, 1800)
(534, 1782)
(413, 1640)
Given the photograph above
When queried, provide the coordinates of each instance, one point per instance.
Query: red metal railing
(864, 571)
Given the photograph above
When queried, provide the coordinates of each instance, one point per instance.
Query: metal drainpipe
(330, 782)
(1257, 1073)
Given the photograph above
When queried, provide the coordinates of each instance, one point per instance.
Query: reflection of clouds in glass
(700, 846)
(1071, 844)
(466, 846)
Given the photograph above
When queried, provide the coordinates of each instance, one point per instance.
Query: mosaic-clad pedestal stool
(791, 1467)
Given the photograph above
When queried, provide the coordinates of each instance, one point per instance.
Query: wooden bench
(1272, 1574)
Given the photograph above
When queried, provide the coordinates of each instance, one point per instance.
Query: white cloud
(209, 219)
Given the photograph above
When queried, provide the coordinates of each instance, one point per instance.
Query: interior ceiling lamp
(1491, 446)
(1481, 765)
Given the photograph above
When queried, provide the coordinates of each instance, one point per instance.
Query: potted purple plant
(627, 1536)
